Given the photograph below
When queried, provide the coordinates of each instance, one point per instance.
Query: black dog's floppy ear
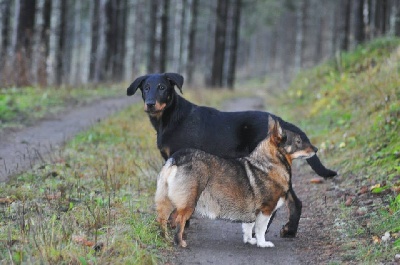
(135, 85)
(175, 79)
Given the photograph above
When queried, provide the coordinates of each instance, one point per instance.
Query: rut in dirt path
(19, 151)
(220, 242)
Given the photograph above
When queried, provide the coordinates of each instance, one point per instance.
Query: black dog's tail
(320, 169)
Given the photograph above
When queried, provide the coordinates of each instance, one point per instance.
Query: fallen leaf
(317, 180)
(88, 243)
(363, 190)
(349, 201)
(376, 240)
(375, 186)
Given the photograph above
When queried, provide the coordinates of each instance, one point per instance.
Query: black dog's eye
(146, 88)
(161, 87)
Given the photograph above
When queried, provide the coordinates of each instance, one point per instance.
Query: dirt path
(220, 242)
(21, 149)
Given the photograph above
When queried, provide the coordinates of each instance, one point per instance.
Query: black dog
(181, 124)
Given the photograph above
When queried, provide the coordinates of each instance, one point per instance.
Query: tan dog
(248, 189)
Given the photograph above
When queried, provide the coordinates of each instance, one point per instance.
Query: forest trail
(20, 150)
(220, 242)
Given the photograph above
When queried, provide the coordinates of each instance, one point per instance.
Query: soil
(209, 241)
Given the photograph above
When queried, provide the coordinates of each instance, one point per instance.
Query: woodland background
(211, 42)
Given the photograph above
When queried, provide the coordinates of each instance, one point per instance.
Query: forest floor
(210, 241)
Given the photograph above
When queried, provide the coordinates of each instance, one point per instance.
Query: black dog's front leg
(294, 206)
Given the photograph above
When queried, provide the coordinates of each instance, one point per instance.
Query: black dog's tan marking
(248, 189)
(181, 124)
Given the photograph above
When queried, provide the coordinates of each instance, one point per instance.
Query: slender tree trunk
(396, 19)
(319, 38)
(305, 30)
(74, 69)
(344, 45)
(177, 35)
(359, 29)
(130, 40)
(85, 46)
(54, 40)
(152, 37)
(237, 6)
(99, 68)
(192, 41)
(219, 44)
(300, 22)
(164, 36)
(38, 47)
(4, 25)
(14, 34)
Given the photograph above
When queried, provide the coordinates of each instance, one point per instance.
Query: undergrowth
(351, 106)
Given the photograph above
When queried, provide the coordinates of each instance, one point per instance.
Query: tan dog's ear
(135, 85)
(275, 131)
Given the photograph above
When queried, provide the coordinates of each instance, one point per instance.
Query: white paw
(250, 240)
(265, 244)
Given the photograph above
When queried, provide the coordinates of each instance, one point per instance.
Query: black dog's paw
(328, 174)
(286, 232)
(187, 225)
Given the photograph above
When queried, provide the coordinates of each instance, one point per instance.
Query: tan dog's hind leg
(183, 214)
(164, 209)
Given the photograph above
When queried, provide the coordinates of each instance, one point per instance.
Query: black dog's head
(157, 91)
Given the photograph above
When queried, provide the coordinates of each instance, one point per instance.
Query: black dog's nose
(315, 149)
(150, 105)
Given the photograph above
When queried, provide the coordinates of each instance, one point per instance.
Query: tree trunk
(219, 44)
(344, 44)
(396, 19)
(38, 47)
(164, 36)
(54, 40)
(192, 41)
(151, 41)
(74, 69)
(130, 40)
(85, 46)
(359, 29)
(99, 65)
(300, 24)
(237, 6)
(5, 10)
